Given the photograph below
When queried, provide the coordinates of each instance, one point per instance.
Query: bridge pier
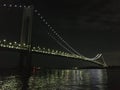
(25, 62)
(25, 69)
(25, 38)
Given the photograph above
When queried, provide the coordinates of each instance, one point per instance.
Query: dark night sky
(90, 26)
(85, 24)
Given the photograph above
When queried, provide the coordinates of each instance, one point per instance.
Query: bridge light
(4, 5)
(24, 44)
(4, 45)
(15, 6)
(4, 40)
(41, 17)
(43, 20)
(53, 50)
(15, 42)
(19, 45)
(16, 47)
(7, 46)
(35, 11)
(48, 50)
(10, 5)
(12, 46)
(38, 14)
(53, 30)
(34, 48)
(48, 25)
(1, 45)
(46, 22)
(56, 51)
(59, 51)
(29, 6)
(38, 47)
(43, 48)
(10, 43)
(20, 6)
(75, 67)
(63, 53)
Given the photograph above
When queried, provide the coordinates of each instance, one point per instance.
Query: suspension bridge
(26, 49)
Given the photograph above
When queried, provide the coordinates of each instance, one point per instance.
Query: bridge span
(66, 58)
(27, 52)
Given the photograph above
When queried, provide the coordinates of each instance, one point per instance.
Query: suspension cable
(68, 45)
(60, 43)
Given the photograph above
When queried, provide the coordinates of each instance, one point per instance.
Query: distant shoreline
(74, 68)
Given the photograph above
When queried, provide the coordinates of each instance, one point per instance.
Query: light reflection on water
(83, 79)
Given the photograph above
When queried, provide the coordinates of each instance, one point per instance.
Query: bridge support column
(25, 69)
(25, 62)
(25, 38)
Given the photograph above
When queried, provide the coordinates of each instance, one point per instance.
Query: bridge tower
(25, 38)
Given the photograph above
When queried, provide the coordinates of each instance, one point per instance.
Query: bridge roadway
(37, 51)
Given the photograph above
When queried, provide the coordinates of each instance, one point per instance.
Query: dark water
(82, 79)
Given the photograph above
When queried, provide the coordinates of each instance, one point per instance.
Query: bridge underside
(11, 59)
(61, 62)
